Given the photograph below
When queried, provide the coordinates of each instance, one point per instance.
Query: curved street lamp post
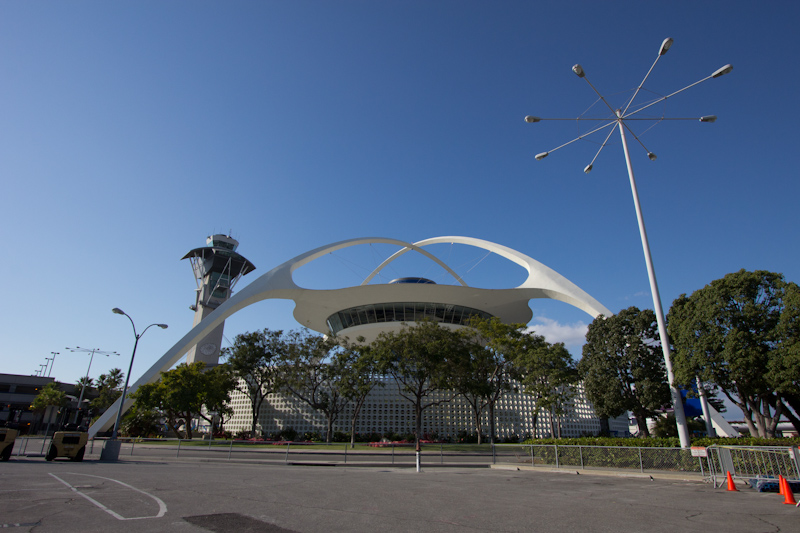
(111, 450)
(618, 120)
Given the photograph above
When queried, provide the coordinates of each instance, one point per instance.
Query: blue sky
(130, 131)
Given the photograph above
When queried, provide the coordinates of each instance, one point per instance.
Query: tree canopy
(255, 360)
(420, 359)
(181, 394)
(313, 369)
(739, 333)
(109, 388)
(489, 372)
(50, 395)
(623, 366)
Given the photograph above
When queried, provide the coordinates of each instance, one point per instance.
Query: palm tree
(109, 388)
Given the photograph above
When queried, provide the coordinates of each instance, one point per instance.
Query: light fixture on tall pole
(86, 379)
(619, 119)
(138, 336)
(52, 361)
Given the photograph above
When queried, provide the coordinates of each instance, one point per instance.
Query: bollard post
(556, 455)
(532, 464)
(345, 454)
(230, 450)
(580, 451)
(641, 463)
(179, 448)
(133, 441)
(441, 453)
(494, 458)
(286, 459)
(393, 453)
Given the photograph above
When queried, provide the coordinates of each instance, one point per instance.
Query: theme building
(368, 309)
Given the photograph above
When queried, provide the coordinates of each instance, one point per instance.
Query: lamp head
(162, 326)
(722, 71)
(118, 311)
(665, 46)
(588, 168)
(651, 155)
(708, 118)
(541, 156)
(578, 70)
(531, 119)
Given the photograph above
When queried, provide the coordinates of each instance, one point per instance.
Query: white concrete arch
(313, 307)
(539, 275)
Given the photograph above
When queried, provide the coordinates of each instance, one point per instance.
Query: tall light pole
(52, 361)
(619, 119)
(86, 380)
(138, 336)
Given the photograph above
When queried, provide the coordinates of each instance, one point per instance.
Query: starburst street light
(619, 119)
(86, 380)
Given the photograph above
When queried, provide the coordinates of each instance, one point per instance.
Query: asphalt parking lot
(197, 496)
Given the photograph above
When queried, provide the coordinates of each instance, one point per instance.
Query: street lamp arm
(162, 326)
(591, 165)
(584, 135)
(603, 98)
(119, 311)
(639, 88)
(651, 104)
(649, 153)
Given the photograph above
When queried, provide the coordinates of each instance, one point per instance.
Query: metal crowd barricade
(753, 463)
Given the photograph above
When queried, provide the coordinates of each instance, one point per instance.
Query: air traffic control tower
(217, 267)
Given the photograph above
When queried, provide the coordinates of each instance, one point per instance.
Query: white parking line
(162, 507)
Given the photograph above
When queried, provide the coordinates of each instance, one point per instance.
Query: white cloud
(572, 335)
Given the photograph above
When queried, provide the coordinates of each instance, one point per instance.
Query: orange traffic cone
(788, 497)
(731, 485)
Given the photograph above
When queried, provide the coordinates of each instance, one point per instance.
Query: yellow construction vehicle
(70, 444)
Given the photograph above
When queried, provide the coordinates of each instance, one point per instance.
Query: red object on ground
(731, 485)
(788, 497)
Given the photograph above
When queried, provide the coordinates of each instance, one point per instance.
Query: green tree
(623, 366)
(546, 372)
(84, 381)
(313, 373)
(139, 422)
(50, 395)
(733, 333)
(360, 374)
(255, 361)
(220, 382)
(419, 358)
(489, 372)
(181, 394)
(784, 370)
(109, 388)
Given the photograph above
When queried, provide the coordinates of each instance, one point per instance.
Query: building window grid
(384, 412)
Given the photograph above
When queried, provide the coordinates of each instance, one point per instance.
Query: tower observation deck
(217, 267)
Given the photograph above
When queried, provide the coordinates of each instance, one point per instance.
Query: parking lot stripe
(162, 507)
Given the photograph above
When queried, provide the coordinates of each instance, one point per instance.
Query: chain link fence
(599, 457)
(753, 463)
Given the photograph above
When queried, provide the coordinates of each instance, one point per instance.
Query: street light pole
(138, 336)
(618, 120)
(86, 379)
(52, 362)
